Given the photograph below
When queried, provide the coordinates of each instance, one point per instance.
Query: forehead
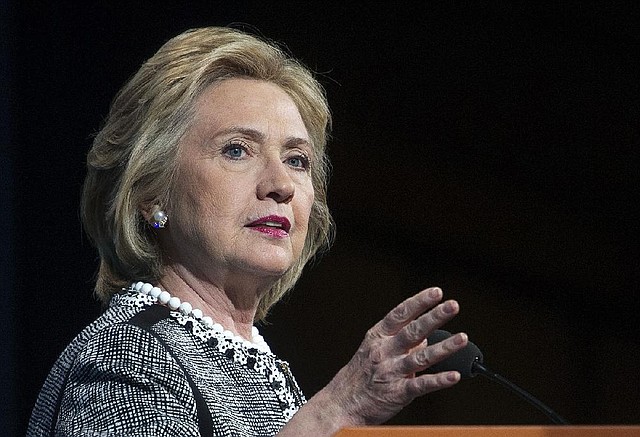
(251, 103)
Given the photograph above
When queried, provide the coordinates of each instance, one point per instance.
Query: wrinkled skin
(384, 374)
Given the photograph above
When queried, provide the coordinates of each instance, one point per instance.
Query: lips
(273, 224)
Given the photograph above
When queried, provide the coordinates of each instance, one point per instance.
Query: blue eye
(234, 151)
(301, 162)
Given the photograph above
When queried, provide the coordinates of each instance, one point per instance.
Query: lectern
(491, 431)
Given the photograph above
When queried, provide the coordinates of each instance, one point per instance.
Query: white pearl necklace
(164, 298)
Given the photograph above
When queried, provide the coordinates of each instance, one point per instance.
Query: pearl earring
(159, 219)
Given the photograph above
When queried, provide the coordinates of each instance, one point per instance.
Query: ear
(154, 216)
(147, 209)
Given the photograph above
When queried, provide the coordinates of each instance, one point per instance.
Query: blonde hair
(133, 157)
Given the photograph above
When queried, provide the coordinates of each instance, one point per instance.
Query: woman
(206, 196)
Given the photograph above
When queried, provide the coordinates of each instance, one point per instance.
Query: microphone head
(462, 361)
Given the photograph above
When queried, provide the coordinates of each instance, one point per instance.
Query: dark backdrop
(489, 148)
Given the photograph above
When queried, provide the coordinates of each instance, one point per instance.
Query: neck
(229, 303)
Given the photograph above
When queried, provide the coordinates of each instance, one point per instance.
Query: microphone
(469, 362)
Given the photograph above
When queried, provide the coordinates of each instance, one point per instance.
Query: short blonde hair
(133, 157)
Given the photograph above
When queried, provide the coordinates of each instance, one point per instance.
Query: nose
(276, 182)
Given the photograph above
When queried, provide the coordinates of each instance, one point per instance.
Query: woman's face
(241, 202)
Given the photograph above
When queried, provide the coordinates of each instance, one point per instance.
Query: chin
(273, 266)
(278, 270)
(268, 260)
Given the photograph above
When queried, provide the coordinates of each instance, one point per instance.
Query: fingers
(380, 378)
(426, 383)
(407, 325)
(408, 310)
(417, 330)
(426, 356)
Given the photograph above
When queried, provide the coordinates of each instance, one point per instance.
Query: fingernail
(435, 293)
(453, 376)
(459, 339)
(450, 307)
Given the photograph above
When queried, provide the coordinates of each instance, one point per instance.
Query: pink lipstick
(273, 225)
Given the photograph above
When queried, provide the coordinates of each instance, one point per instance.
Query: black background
(489, 148)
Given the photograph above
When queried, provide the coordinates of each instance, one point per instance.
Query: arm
(125, 383)
(381, 378)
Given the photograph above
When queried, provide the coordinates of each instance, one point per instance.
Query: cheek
(195, 209)
(304, 208)
(212, 196)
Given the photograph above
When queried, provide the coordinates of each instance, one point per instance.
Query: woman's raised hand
(382, 377)
(384, 374)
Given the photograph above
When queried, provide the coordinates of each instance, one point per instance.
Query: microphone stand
(479, 368)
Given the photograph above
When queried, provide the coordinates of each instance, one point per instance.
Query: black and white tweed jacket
(143, 370)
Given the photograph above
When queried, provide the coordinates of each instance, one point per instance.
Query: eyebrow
(254, 134)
